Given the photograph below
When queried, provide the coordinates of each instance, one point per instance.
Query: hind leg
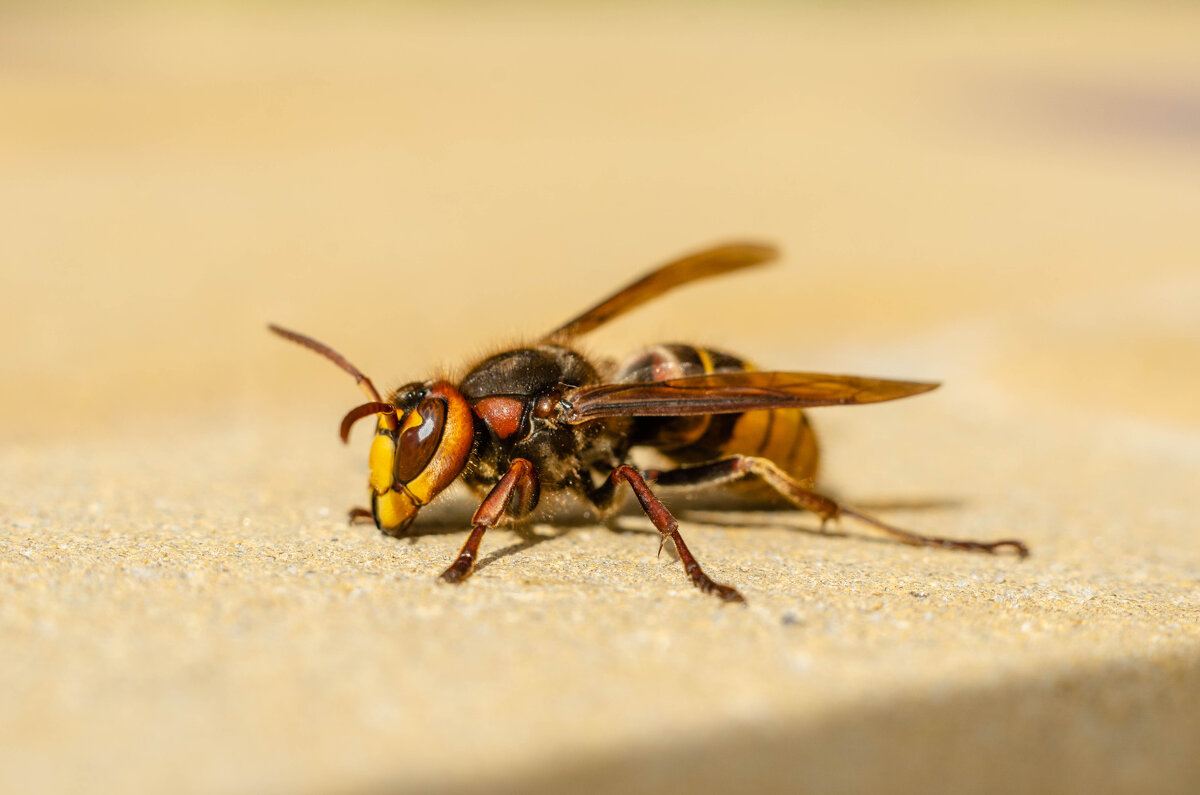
(725, 470)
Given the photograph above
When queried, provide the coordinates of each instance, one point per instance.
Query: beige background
(1004, 199)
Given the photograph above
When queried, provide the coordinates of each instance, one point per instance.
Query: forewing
(731, 393)
(700, 265)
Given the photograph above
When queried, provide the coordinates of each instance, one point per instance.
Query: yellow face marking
(411, 421)
(380, 460)
(421, 487)
(394, 509)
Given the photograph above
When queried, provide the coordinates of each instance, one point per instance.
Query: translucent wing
(730, 393)
(700, 265)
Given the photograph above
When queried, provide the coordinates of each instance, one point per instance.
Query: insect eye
(408, 396)
(418, 440)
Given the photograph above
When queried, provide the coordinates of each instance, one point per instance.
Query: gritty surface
(183, 607)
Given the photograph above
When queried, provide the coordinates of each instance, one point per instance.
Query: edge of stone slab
(1128, 726)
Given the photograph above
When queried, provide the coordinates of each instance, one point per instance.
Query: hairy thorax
(515, 395)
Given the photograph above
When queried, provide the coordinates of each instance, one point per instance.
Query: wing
(731, 393)
(701, 265)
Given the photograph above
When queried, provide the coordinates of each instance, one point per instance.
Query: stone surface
(963, 198)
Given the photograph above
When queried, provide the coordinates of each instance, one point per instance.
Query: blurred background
(414, 182)
(1001, 196)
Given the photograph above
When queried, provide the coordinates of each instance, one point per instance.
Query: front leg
(521, 482)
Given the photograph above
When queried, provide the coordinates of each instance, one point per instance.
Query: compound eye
(419, 438)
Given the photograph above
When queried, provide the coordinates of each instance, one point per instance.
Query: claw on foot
(458, 571)
(987, 547)
(1016, 546)
(726, 593)
(826, 521)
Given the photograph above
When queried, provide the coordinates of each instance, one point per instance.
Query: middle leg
(669, 528)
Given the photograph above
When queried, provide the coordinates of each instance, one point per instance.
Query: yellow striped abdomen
(782, 435)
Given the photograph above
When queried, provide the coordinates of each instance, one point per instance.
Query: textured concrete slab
(182, 605)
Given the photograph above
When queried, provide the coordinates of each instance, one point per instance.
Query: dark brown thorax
(514, 395)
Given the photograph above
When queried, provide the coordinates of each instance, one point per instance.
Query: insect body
(781, 435)
(545, 418)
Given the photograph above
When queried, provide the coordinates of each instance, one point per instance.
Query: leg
(669, 528)
(356, 515)
(519, 481)
(737, 466)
